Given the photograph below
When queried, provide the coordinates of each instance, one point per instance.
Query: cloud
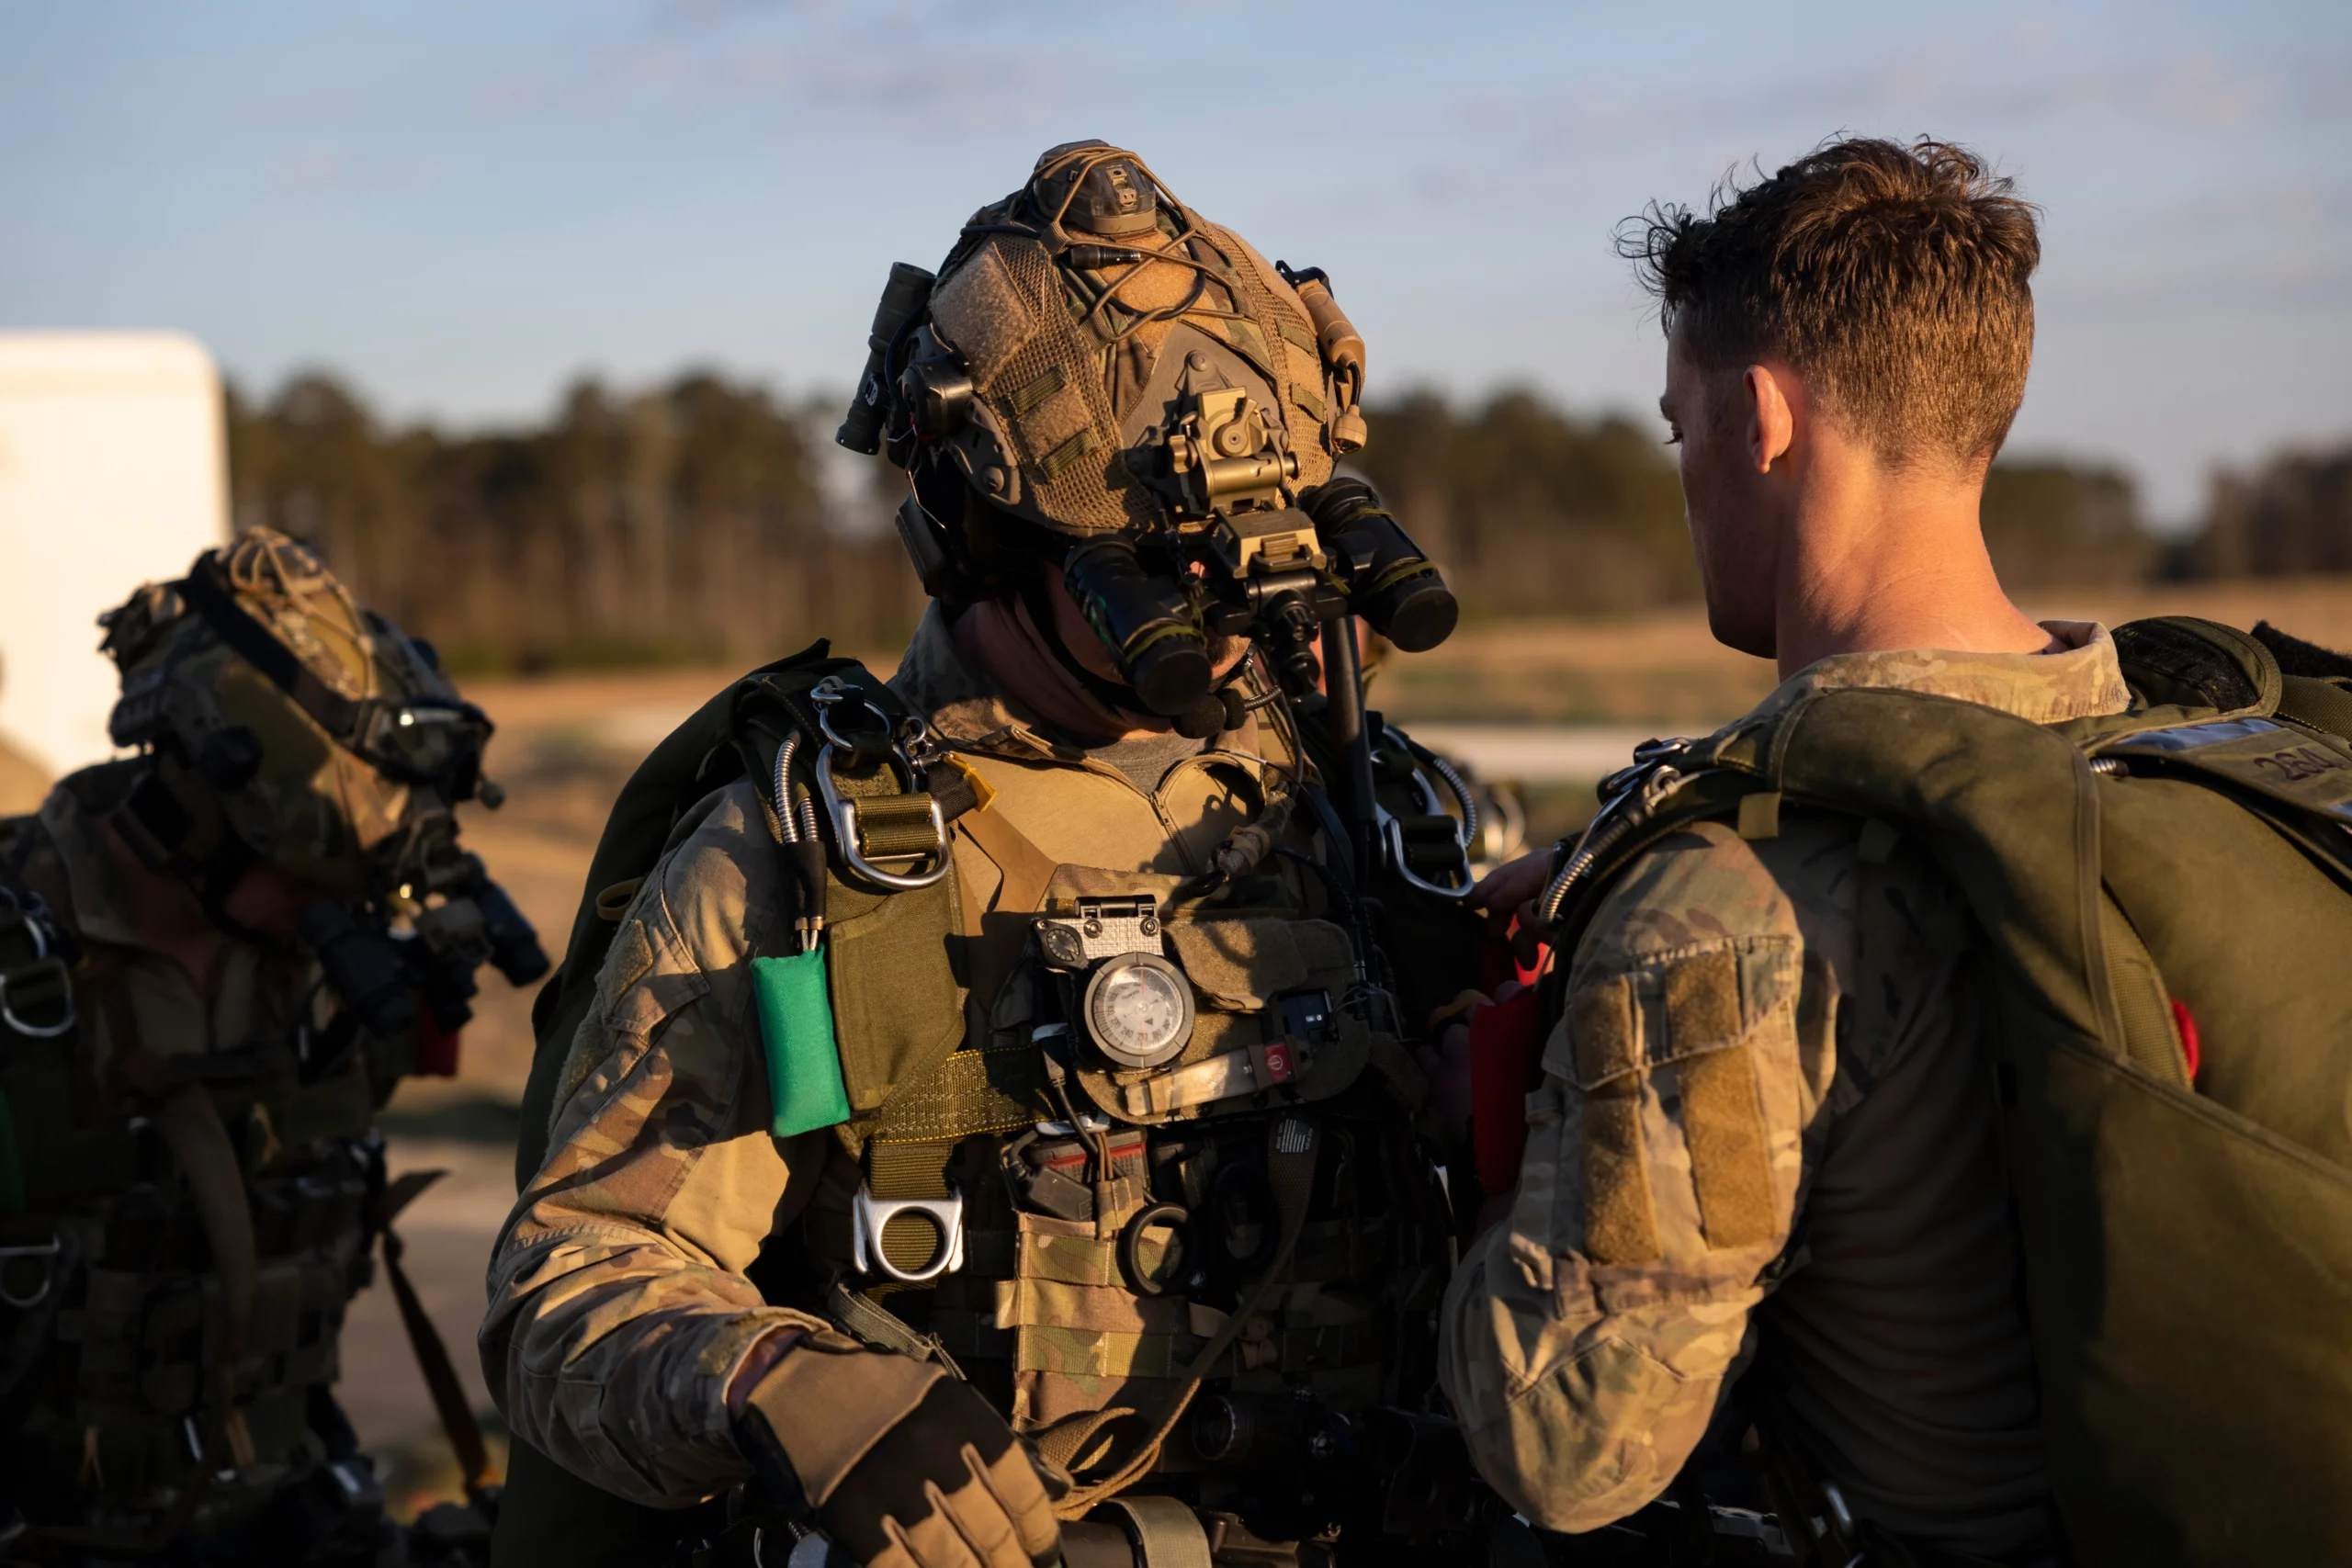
(312, 168)
(1990, 84)
(323, 105)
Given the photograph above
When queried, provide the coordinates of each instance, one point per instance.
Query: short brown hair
(1894, 279)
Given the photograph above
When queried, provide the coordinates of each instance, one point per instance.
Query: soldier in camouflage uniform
(1160, 1283)
(191, 1176)
(1762, 1151)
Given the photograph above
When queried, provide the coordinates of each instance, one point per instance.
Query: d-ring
(44, 966)
(47, 1252)
(1173, 1215)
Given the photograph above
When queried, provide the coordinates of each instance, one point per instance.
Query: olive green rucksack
(2169, 882)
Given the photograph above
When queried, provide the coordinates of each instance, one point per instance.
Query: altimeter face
(1139, 1010)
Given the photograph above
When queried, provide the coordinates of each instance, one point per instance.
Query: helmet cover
(322, 733)
(1090, 310)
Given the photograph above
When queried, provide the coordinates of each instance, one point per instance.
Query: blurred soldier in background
(980, 1106)
(269, 922)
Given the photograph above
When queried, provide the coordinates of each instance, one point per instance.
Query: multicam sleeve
(619, 1303)
(1586, 1340)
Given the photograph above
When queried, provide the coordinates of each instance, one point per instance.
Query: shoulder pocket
(1691, 1015)
(648, 974)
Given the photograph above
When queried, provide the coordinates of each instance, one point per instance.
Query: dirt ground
(565, 745)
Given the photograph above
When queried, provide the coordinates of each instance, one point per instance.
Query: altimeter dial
(1139, 1010)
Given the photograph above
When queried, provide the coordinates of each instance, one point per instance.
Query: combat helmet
(1156, 403)
(282, 721)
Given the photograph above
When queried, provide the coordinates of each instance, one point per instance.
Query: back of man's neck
(1915, 575)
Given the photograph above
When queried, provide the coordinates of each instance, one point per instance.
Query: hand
(1502, 890)
(904, 1466)
(1508, 894)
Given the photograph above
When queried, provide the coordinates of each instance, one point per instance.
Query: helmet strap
(1117, 695)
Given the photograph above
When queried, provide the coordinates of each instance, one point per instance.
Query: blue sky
(462, 206)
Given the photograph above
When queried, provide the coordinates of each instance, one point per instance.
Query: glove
(903, 1466)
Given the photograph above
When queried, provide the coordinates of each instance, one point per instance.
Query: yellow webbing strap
(190, 1125)
(995, 1089)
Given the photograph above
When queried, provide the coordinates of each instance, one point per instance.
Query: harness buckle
(25, 1301)
(869, 1216)
(910, 834)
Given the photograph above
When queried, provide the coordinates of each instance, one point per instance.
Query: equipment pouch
(804, 1087)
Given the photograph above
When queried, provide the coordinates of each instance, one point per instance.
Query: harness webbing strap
(432, 1356)
(874, 1324)
(1026, 871)
(994, 1089)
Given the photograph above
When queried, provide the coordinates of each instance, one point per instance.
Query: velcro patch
(981, 311)
(1723, 1124)
(1702, 1001)
(1601, 1029)
(1619, 1218)
(627, 961)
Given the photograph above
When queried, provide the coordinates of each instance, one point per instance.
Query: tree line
(708, 520)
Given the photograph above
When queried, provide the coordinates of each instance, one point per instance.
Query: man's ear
(1771, 421)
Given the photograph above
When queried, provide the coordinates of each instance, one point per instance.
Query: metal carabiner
(841, 810)
(1392, 831)
(1391, 835)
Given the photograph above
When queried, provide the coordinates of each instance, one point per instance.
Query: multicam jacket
(623, 1293)
(1822, 1207)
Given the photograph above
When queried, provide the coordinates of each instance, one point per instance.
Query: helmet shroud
(1085, 309)
(281, 714)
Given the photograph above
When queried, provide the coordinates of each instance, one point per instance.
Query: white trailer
(113, 471)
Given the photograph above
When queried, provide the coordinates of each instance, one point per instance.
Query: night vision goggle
(420, 741)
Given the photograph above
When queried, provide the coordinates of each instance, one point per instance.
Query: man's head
(1865, 311)
(1115, 410)
(287, 727)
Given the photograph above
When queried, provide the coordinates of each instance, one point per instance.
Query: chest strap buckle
(870, 1216)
